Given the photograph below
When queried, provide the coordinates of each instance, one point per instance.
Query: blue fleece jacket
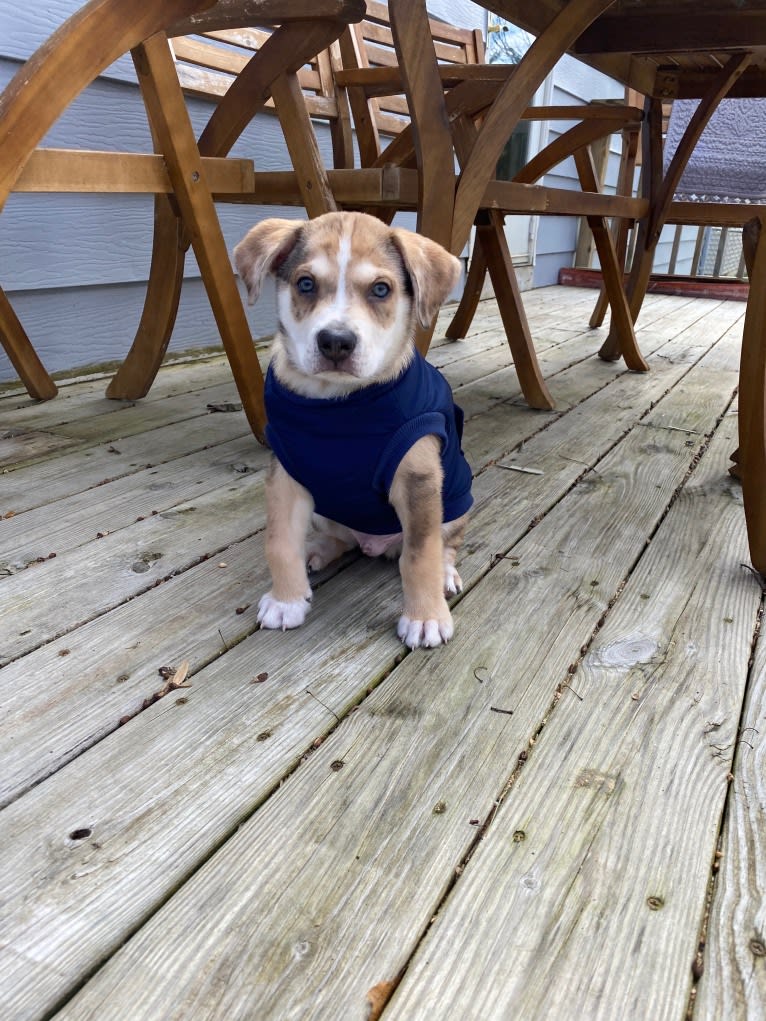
(345, 450)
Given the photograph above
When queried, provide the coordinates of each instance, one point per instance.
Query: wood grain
(276, 838)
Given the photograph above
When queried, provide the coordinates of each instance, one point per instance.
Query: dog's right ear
(262, 250)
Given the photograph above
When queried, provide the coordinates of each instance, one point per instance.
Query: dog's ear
(262, 250)
(433, 271)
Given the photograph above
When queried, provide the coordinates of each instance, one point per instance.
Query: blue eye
(305, 285)
(380, 289)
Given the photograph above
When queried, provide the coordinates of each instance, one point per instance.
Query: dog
(364, 432)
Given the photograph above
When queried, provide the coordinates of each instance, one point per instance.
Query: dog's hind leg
(288, 512)
(327, 541)
(453, 534)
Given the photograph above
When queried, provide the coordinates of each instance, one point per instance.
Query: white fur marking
(453, 583)
(340, 303)
(280, 616)
(424, 633)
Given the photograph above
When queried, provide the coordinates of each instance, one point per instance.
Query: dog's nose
(336, 344)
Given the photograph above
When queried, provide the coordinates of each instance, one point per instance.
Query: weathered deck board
(213, 829)
(425, 739)
(591, 908)
(733, 983)
(576, 441)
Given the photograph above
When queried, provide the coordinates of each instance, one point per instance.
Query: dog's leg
(453, 535)
(327, 541)
(416, 494)
(288, 512)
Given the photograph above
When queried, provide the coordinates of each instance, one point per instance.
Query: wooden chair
(182, 174)
(658, 186)
(382, 105)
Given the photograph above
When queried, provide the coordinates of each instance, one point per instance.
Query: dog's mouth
(335, 367)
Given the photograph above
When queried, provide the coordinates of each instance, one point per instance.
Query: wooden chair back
(207, 65)
(210, 62)
(378, 108)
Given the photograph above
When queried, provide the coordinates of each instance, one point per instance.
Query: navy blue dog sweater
(345, 450)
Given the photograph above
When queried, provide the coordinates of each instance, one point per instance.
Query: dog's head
(350, 291)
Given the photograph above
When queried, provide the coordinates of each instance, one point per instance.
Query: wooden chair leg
(22, 355)
(292, 42)
(469, 302)
(636, 288)
(137, 373)
(752, 395)
(491, 237)
(620, 228)
(622, 320)
(431, 133)
(170, 122)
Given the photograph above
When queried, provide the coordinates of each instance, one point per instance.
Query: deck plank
(561, 452)
(578, 910)
(733, 983)
(215, 831)
(421, 758)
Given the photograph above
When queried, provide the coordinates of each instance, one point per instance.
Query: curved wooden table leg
(289, 46)
(469, 302)
(661, 191)
(135, 376)
(169, 118)
(446, 215)
(752, 394)
(515, 95)
(22, 355)
(621, 228)
(491, 237)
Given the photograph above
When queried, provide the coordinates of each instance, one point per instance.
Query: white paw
(278, 615)
(424, 633)
(453, 583)
(315, 561)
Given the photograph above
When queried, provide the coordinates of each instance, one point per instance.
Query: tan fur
(359, 273)
(416, 497)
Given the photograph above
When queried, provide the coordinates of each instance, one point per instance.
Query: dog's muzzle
(336, 344)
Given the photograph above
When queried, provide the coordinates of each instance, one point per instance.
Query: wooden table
(100, 32)
(663, 49)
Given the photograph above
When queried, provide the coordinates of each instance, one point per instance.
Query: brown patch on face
(433, 270)
(295, 269)
(262, 251)
(351, 250)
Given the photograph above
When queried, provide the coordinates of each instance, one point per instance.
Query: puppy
(365, 433)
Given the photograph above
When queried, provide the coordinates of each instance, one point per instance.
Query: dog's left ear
(261, 251)
(434, 272)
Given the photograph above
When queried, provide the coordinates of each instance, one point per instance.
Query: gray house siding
(75, 266)
(573, 83)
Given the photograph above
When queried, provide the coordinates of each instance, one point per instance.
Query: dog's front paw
(278, 615)
(424, 633)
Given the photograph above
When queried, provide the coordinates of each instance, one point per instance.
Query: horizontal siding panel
(54, 240)
(92, 325)
(25, 27)
(76, 240)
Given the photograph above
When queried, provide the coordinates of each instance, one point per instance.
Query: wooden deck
(558, 816)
